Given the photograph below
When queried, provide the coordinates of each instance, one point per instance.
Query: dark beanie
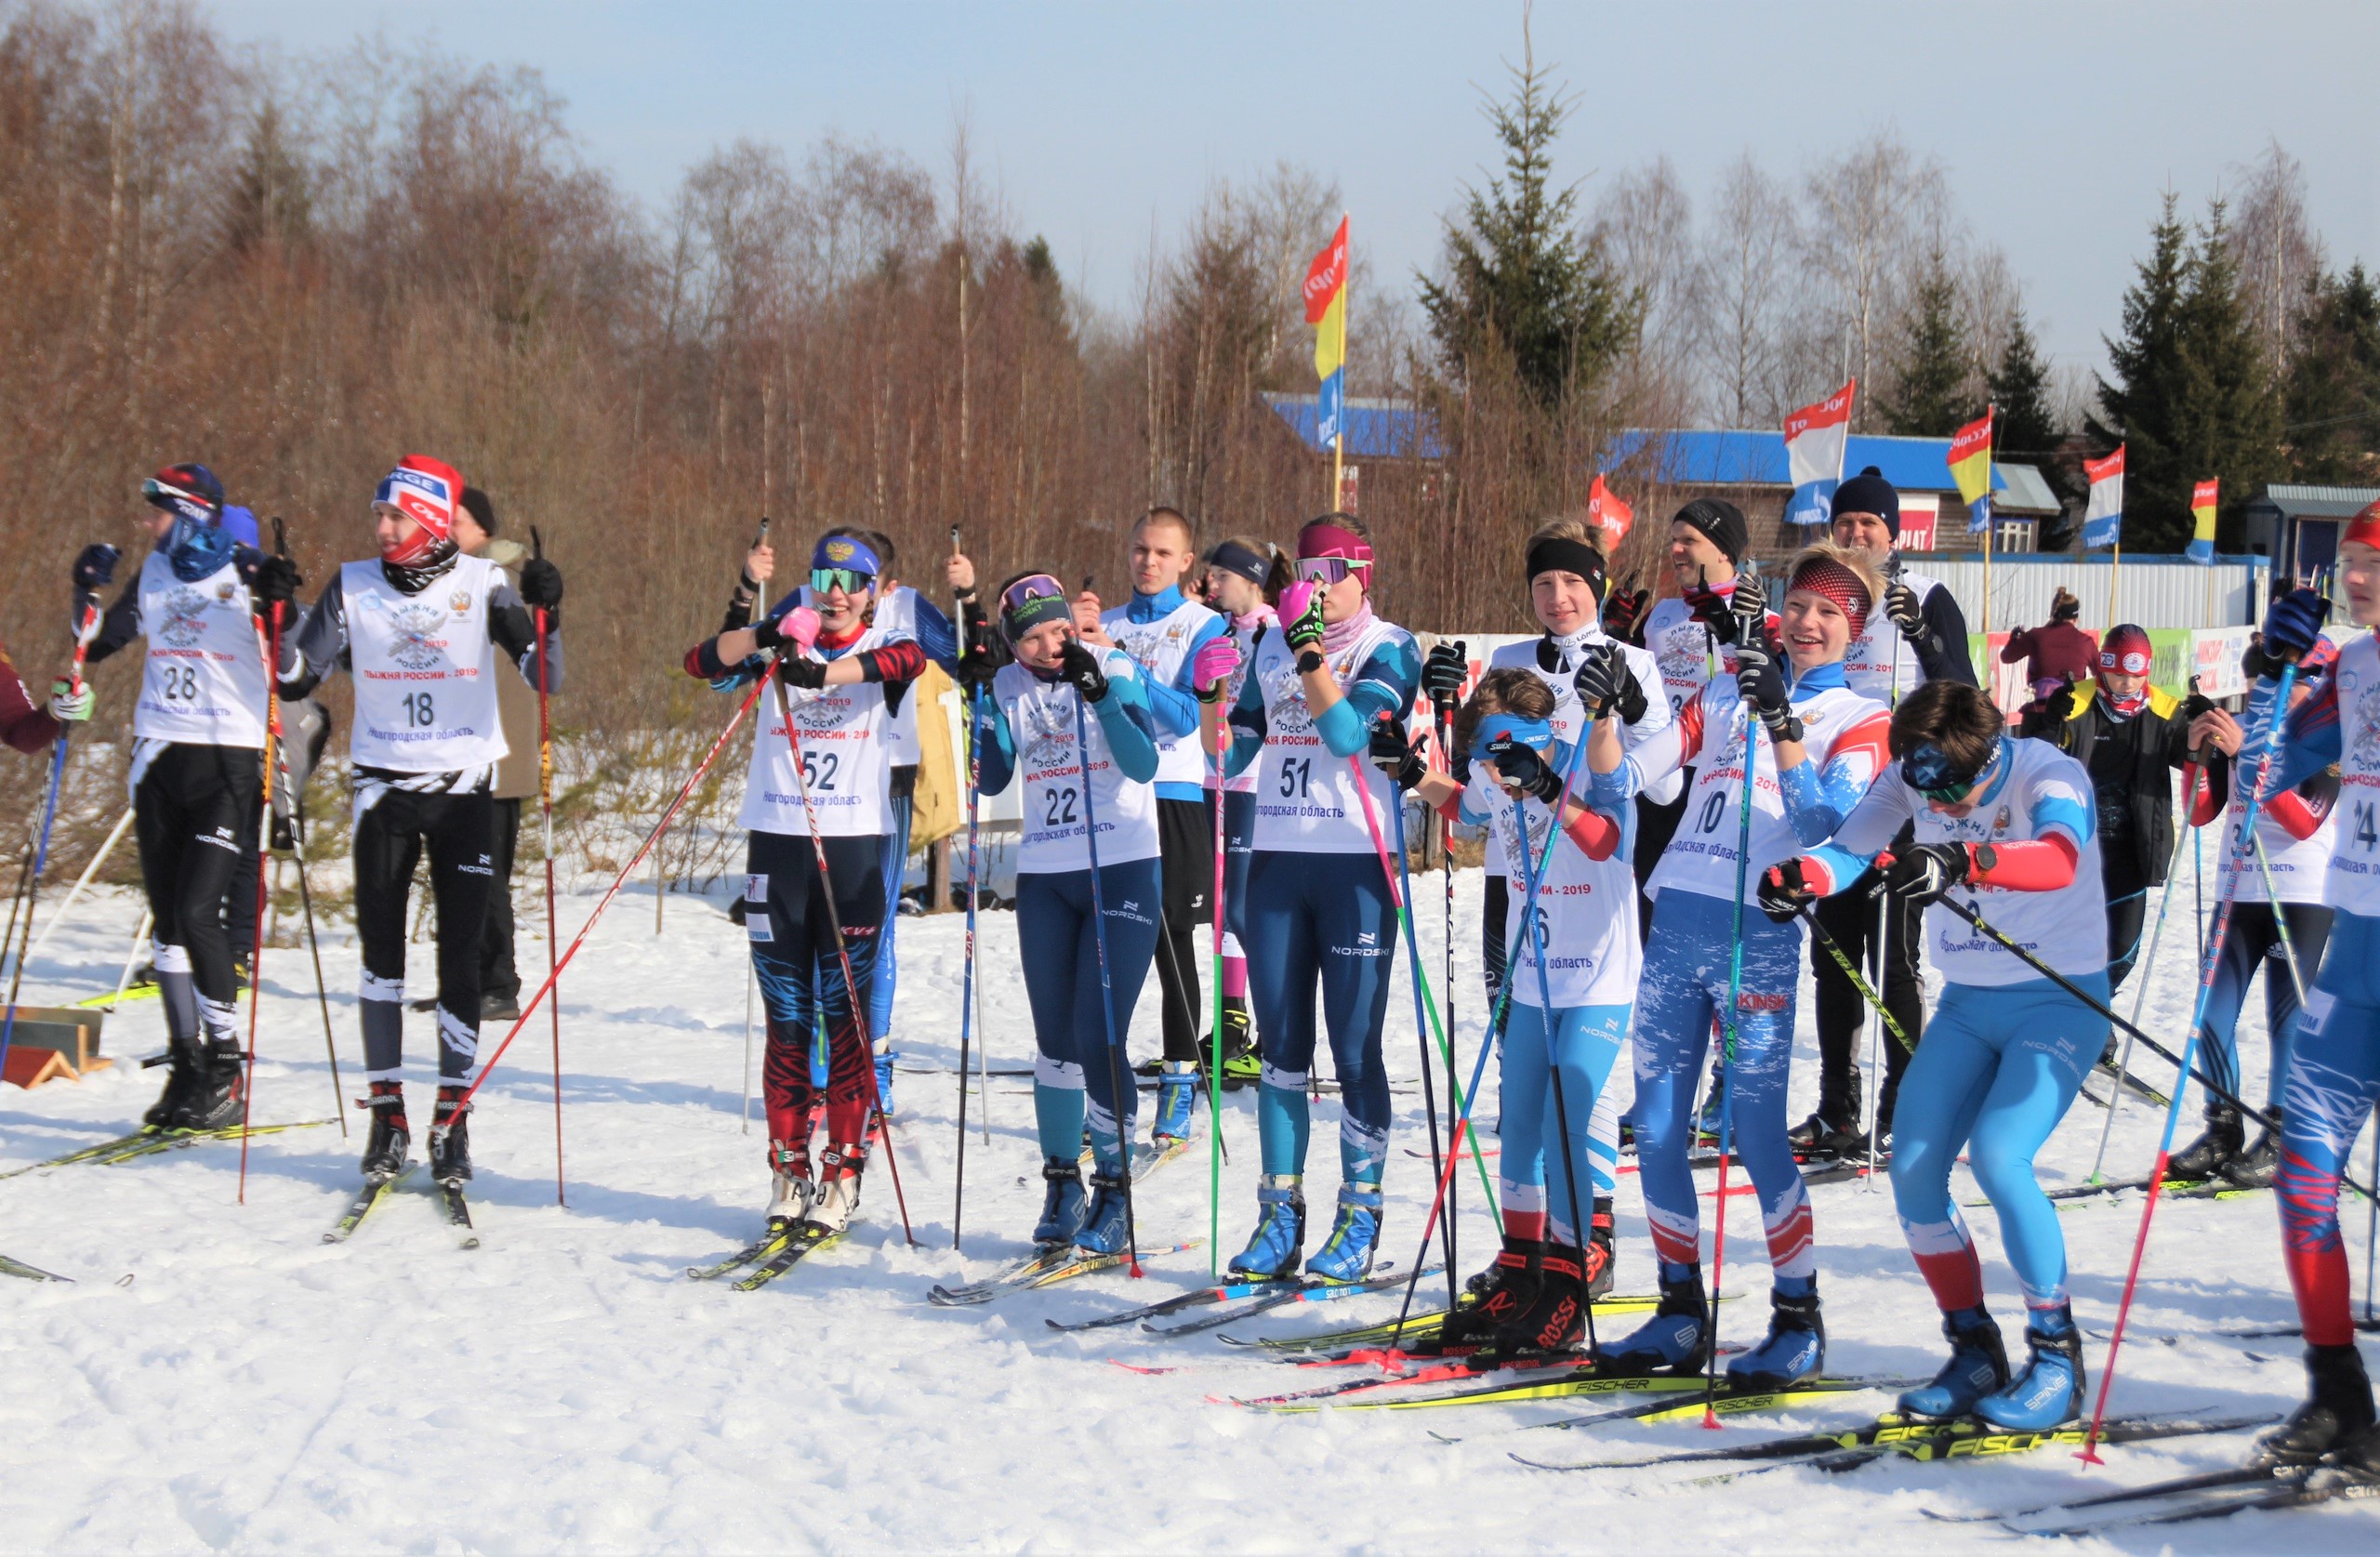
(1720, 520)
(1869, 493)
(477, 505)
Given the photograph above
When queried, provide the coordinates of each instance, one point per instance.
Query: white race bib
(425, 669)
(203, 682)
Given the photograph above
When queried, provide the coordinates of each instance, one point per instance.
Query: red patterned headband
(1823, 575)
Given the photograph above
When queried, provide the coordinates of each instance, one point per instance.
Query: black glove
(1901, 605)
(1624, 613)
(800, 670)
(1783, 891)
(1397, 756)
(95, 567)
(1925, 871)
(1710, 609)
(1604, 683)
(1760, 681)
(975, 671)
(1078, 667)
(1524, 769)
(278, 581)
(2292, 627)
(2193, 705)
(2060, 707)
(541, 585)
(1445, 671)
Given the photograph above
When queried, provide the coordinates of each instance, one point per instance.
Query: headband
(1234, 558)
(1824, 575)
(845, 551)
(1535, 733)
(1931, 772)
(1555, 553)
(1322, 538)
(1031, 601)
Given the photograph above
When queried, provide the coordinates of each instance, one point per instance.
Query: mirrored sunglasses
(1324, 570)
(851, 581)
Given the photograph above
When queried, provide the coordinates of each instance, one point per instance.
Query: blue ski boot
(1271, 1252)
(2049, 1393)
(1108, 1226)
(1978, 1366)
(1062, 1203)
(1346, 1255)
(1177, 1093)
(1795, 1347)
(1676, 1339)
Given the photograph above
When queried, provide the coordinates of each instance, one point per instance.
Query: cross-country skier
(1244, 578)
(197, 764)
(1163, 630)
(1563, 1023)
(2131, 736)
(1318, 902)
(1566, 584)
(838, 674)
(901, 611)
(1817, 745)
(2280, 888)
(2010, 826)
(419, 628)
(1916, 634)
(1070, 721)
(2334, 1063)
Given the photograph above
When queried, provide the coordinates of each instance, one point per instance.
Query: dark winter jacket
(2060, 651)
(24, 724)
(2132, 762)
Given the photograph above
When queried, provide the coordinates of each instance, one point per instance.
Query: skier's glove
(1078, 667)
(1624, 613)
(1524, 769)
(69, 703)
(541, 589)
(278, 581)
(1212, 666)
(2292, 627)
(1785, 888)
(1921, 874)
(1605, 682)
(1445, 671)
(1760, 681)
(1301, 616)
(95, 567)
(1901, 605)
(1396, 754)
(800, 670)
(1710, 607)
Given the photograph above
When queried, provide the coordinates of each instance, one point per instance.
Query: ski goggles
(851, 581)
(1325, 570)
(1032, 601)
(1932, 774)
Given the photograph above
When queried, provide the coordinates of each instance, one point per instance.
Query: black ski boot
(384, 1148)
(1502, 1291)
(2206, 1157)
(1554, 1319)
(2256, 1168)
(2338, 1412)
(1818, 1138)
(220, 1096)
(184, 1065)
(450, 1138)
(1675, 1341)
(1599, 1251)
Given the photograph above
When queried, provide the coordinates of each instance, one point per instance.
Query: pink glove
(1300, 613)
(801, 625)
(1213, 664)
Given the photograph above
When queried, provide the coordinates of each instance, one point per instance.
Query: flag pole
(1339, 433)
(1991, 416)
(2115, 571)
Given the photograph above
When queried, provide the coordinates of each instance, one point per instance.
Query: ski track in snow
(564, 1386)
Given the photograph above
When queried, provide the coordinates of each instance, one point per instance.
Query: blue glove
(2295, 624)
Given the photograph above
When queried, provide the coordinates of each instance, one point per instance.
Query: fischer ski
(1583, 1380)
(762, 1248)
(1304, 1290)
(459, 1215)
(30, 1273)
(808, 1239)
(1045, 1268)
(366, 1200)
(2216, 1495)
(150, 1138)
(1363, 1342)
(1967, 1438)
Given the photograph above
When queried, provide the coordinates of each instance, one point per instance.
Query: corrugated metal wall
(2159, 594)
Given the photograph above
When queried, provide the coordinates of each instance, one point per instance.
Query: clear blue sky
(2059, 123)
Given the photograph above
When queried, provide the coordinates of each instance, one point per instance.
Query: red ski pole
(545, 801)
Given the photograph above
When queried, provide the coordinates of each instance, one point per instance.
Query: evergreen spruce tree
(271, 196)
(2025, 430)
(2331, 398)
(1520, 277)
(2231, 423)
(1933, 392)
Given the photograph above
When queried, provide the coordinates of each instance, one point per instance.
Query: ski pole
(84, 629)
(1106, 991)
(256, 953)
(2191, 774)
(1443, 708)
(1727, 1065)
(1496, 1018)
(835, 927)
(115, 836)
(716, 746)
(747, 1107)
(2214, 1089)
(322, 991)
(546, 805)
(1215, 1029)
(1533, 935)
(1421, 1030)
(967, 979)
(2280, 922)
(2213, 951)
(1867, 991)
(1885, 916)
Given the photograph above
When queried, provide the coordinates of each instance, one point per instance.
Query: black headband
(1234, 558)
(1554, 552)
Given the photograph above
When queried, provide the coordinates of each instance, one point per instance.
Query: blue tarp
(1749, 458)
(1376, 429)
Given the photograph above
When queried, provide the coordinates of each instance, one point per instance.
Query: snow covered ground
(218, 1378)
